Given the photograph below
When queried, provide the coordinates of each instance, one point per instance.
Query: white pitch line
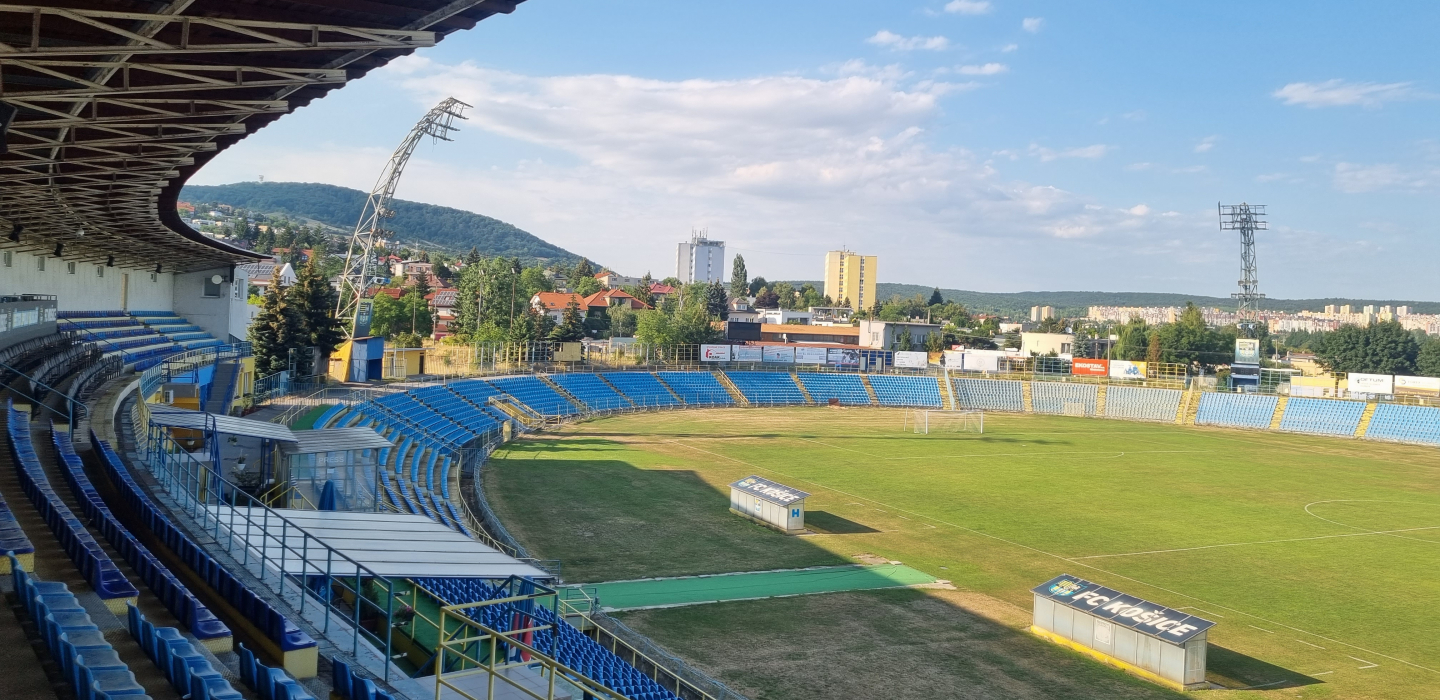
(1308, 644)
(1363, 661)
(1366, 533)
(1262, 629)
(1053, 555)
(1366, 530)
(1322, 673)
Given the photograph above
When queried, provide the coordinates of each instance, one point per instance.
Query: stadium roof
(119, 102)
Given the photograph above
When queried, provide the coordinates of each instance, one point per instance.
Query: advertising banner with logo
(1417, 385)
(714, 353)
(779, 353)
(1143, 616)
(917, 360)
(1125, 369)
(841, 357)
(1090, 368)
(1247, 351)
(1370, 383)
(747, 353)
(810, 356)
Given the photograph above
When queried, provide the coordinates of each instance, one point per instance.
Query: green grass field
(1317, 557)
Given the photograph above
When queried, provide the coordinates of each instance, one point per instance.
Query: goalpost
(925, 421)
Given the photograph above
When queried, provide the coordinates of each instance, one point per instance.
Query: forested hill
(1077, 303)
(431, 226)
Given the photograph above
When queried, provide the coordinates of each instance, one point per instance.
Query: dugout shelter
(1157, 643)
(770, 504)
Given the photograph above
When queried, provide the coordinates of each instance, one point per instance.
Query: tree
(583, 269)
(422, 283)
(903, 340)
(642, 292)
(1152, 351)
(717, 304)
(1380, 348)
(1427, 359)
(756, 285)
(443, 271)
(787, 295)
(571, 328)
(585, 286)
(739, 278)
(388, 316)
(1051, 325)
(472, 257)
(314, 301)
(1133, 342)
(766, 299)
(622, 320)
(935, 298)
(274, 333)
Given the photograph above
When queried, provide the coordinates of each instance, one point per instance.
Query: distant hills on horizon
(1077, 303)
(429, 226)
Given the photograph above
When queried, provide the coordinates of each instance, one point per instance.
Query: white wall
(83, 291)
(211, 314)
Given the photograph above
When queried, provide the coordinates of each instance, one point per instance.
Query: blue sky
(997, 146)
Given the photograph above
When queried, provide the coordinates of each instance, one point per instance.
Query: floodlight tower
(437, 124)
(1247, 219)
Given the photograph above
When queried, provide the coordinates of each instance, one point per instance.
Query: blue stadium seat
(1397, 423)
(988, 394)
(1236, 410)
(767, 388)
(642, 388)
(904, 390)
(1322, 416)
(536, 394)
(1142, 403)
(591, 390)
(848, 389)
(1053, 397)
(697, 387)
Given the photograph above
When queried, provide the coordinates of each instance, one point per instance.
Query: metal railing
(288, 560)
(186, 362)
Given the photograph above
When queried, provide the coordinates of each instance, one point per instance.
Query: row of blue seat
(12, 536)
(87, 554)
(87, 661)
(269, 682)
(562, 641)
(348, 685)
(177, 598)
(279, 630)
(767, 388)
(847, 389)
(591, 390)
(90, 314)
(697, 387)
(536, 394)
(188, 670)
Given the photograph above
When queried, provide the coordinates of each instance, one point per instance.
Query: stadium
(540, 520)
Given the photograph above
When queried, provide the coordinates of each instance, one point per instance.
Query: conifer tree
(274, 333)
(739, 278)
(572, 325)
(313, 300)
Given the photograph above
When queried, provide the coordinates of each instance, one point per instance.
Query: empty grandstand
(1236, 410)
(1141, 403)
(846, 389)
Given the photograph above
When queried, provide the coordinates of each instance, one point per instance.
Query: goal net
(926, 421)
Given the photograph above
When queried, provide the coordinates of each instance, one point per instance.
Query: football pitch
(1318, 558)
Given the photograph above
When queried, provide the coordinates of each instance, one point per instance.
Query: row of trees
(294, 320)
(1380, 348)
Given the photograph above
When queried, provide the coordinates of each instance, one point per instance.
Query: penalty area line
(1365, 533)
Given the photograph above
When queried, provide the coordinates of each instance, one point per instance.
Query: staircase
(947, 395)
(724, 380)
(616, 389)
(669, 388)
(510, 409)
(1365, 417)
(809, 400)
(561, 391)
(1279, 412)
(874, 399)
(1100, 399)
(222, 385)
(1027, 403)
(1190, 407)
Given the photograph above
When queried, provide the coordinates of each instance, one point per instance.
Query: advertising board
(1090, 368)
(917, 360)
(810, 356)
(842, 357)
(1143, 616)
(714, 353)
(1417, 385)
(779, 353)
(1358, 383)
(1125, 369)
(1247, 351)
(747, 353)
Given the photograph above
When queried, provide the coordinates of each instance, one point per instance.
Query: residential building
(659, 292)
(1040, 313)
(263, 274)
(442, 302)
(615, 280)
(742, 312)
(850, 277)
(554, 303)
(809, 335)
(784, 316)
(831, 315)
(1046, 343)
(411, 268)
(887, 335)
(700, 259)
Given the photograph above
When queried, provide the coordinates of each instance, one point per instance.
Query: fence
(185, 363)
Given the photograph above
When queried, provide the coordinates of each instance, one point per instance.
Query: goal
(926, 421)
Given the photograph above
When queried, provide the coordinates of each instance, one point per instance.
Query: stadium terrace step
(1100, 396)
(809, 400)
(643, 388)
(1365, 418)
(869, 390)
(730, 387)
(946, 393)
(1279, 416)
(591, 390)
(550, 382)
(1027, 397)
(767, 388)
(1190, 409)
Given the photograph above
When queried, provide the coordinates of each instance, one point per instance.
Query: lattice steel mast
(436, 124)
(1247, 219)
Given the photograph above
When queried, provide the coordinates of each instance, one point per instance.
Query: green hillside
(428, 225)
(1076, 303)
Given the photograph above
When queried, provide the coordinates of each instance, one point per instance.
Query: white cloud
(1139, 166)
(896, 42)
(968, 7)
(1009, 48)
(1206, 144)
(1139, 210)
(985, 69)
(1045, 154)
(1135, 116)
(1032, 24)
(1354, 178)
(1341, 93)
